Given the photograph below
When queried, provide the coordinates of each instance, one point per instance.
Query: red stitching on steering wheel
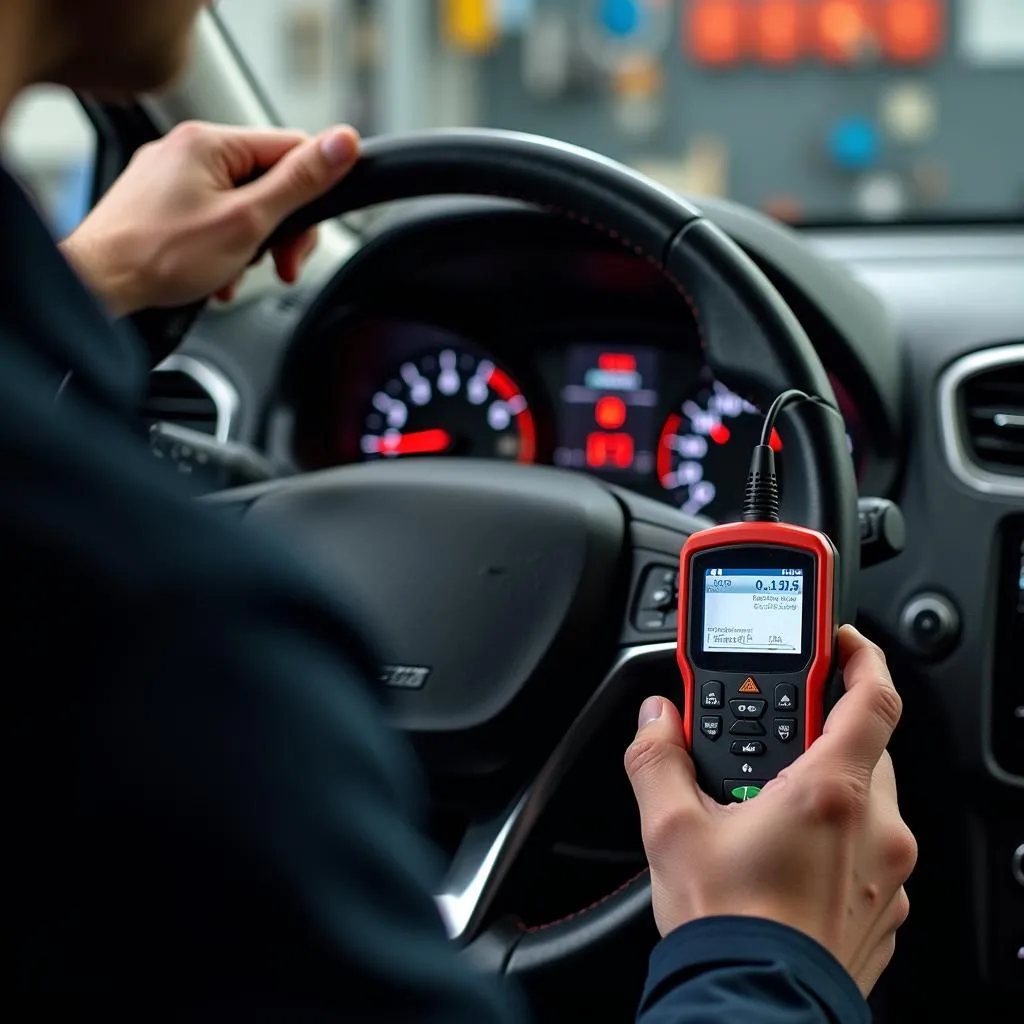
(533, 928)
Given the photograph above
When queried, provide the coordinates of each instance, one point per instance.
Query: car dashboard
(494, 331)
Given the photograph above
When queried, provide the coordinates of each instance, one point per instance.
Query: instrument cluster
(635, 408)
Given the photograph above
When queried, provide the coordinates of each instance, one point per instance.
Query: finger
(661, 773)
(290, 257)
(245, 151)
(305, 173)
(862, 722)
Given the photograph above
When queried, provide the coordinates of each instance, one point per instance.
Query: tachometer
(704, 451)
(449, 402)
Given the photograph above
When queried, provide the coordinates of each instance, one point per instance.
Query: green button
(742, 793)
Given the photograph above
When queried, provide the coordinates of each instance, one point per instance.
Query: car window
(811, 110)
(50, 144)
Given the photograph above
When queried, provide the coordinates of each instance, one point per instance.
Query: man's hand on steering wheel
(175, 227)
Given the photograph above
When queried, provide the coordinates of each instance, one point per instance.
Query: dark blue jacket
(204, 816)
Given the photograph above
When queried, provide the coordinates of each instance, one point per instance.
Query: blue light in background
(620, 17)
(854, 143)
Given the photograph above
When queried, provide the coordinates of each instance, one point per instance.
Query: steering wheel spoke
(490, 848)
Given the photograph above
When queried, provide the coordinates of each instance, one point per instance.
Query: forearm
(734, 968)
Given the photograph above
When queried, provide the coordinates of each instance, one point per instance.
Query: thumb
(661, 772)
(305, 173)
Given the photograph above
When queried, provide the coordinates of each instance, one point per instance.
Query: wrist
(116, 286)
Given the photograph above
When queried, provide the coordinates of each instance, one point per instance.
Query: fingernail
(338, 148)
(650, 711)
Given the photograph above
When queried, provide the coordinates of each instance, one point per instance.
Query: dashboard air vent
(192, 393)
(993, 411)
(175, 397)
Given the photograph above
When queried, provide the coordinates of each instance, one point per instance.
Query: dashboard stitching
(534, 928)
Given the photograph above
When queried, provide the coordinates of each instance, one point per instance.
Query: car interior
(516, 376)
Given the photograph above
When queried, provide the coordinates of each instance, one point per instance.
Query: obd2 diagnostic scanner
(756, 636)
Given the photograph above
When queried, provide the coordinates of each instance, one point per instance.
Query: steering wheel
(506, 589)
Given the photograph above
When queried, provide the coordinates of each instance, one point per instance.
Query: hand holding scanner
(756, 637)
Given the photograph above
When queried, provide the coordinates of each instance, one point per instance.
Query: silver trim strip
(957, 454)
(489, 848)
(222, 392)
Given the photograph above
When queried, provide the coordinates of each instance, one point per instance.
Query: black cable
(761, 497)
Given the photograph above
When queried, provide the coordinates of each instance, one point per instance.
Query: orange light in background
(845, 29)
(780, 30)
(610, 412)
(714, 31)
(469, 25)
(912, 30)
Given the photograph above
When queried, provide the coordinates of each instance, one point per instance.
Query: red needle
(421, 442)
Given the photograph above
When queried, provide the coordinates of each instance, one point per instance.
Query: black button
(747, 748)
(784, 729)
(747, 708)
(711, 726)
(735, 791)
(927, 624)
(785, 697)
(650, 620)
(747, 728)
(660, 589)
(711, 694)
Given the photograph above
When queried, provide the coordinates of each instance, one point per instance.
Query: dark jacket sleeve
(209, 818)
(745, 969)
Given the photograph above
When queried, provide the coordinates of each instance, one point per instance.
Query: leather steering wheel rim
(751, 339)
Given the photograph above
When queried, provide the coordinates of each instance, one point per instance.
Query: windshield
(811, 110)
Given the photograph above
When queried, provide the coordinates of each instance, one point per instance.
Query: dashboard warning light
(610, 412)
(720, 433)
(609, 451)
(780, 31)
(912, 30)
(715, 31)
(616, 362)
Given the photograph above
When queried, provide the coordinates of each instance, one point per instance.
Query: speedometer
(449, 402)
(704, 451)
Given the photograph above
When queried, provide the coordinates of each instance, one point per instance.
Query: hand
(822, 848)
(175, 228)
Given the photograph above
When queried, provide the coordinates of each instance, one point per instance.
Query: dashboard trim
(217, 385)
(957, 457)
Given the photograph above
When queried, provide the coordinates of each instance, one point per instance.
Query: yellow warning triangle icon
(749, 686)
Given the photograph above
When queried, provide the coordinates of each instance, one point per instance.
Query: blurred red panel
(714, 30)
(846, 30)
(912, 30)
(780, 30)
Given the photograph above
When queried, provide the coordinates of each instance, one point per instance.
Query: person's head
(107, 47)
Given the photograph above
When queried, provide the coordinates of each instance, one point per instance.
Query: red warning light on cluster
(609, 451)
(610, 412)
(616, 362)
